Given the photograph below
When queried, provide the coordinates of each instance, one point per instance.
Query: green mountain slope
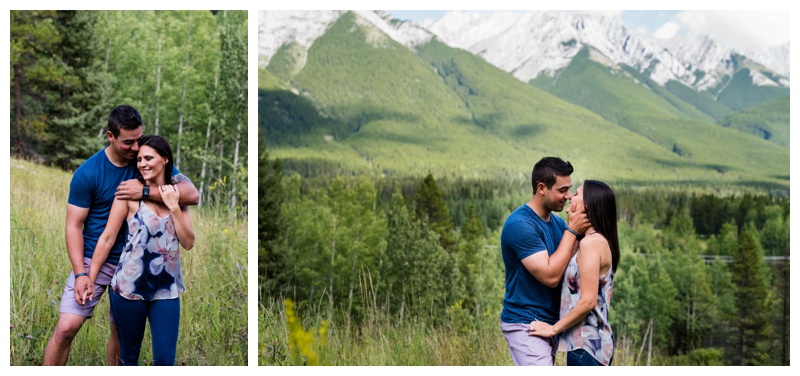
(740, 93)
(769, 121)
(703, 101)
(622, 98)
(360, 103)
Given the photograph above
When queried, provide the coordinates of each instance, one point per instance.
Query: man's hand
(170, 195)
(577, 219)
(130, 190)
(82, 284)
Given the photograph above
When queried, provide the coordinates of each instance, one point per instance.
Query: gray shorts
(528, 350)
(68, 303)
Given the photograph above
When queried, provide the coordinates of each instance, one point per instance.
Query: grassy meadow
(213, 329)
(287, 338)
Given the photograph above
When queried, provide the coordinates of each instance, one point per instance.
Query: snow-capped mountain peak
(541, 42)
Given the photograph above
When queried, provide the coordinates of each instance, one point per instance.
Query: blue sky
(733, 28)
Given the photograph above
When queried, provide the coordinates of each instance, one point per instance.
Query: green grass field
(213, 327)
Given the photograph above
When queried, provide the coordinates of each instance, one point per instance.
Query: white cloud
(738, 28)
(667, 30)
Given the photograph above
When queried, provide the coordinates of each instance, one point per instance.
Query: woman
(148, 278)
(585, 333)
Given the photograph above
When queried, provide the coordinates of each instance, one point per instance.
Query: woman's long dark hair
(161, 146)
(601, 209)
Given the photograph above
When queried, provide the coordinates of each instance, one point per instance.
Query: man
(109, 173)
(537, 247)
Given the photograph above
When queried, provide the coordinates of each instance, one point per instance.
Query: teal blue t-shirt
(526, 299)
(93, 186)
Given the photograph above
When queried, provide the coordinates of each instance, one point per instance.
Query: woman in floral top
(148, 278)
(585, 333)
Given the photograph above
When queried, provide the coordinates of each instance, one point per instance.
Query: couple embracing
(560, 276)
(126, 221)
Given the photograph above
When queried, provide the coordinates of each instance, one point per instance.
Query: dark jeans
(579, 357)
(130, 317)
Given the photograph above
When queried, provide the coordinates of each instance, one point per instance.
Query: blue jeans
(579, 357)
(130, 317)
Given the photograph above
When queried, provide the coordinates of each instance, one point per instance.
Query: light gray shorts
(68, 303)
(528, 350)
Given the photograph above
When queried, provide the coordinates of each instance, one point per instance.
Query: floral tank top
(150, 264)
(592, 334)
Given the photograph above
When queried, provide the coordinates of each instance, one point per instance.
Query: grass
(213, 329)
(382, 339)
(459, 339)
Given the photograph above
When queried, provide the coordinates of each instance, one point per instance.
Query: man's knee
(68, 326)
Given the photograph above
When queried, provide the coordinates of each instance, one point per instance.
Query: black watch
(145, 191)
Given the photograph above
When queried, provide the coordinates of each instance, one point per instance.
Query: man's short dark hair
(123, 117)
(546, 170)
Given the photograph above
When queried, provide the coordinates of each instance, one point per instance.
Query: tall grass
(382, 339)
(213, 328)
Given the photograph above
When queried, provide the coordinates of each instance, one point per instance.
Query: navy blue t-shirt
(526, 299)
(93, 186)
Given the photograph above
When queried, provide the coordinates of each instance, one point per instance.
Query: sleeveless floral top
(593, 334)
(150, 264)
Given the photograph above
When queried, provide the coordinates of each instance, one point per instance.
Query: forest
(184, 71)
(408, 271)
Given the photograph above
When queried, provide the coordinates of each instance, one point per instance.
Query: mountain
(537, 43)
(355, 100)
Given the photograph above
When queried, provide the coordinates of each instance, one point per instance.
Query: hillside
(769, 121)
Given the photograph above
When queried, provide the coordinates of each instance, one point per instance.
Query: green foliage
(420, 274)
(429, 206)
(702, 357)
(270, 224)
(751, 278)
(55, 85)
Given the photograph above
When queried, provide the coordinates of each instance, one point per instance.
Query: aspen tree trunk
(208, 137)
(236, 161)
(183, 94)
(221, 144)
(219, 169)
(158, 80)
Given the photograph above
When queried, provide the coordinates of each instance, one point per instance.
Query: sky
(731, 28)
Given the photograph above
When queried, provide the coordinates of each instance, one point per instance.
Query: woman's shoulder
(595, 241)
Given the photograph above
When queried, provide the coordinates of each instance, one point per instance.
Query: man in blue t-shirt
(537, 247)
(108, 174)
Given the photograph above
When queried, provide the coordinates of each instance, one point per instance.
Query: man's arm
(74, 236)
(132, 190)
(549, 269)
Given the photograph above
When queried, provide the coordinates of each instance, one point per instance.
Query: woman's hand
(89, 292)
(541, 329)
(170, 196)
